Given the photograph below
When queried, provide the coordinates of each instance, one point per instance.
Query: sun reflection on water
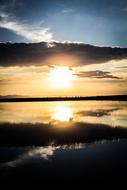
(63, 114)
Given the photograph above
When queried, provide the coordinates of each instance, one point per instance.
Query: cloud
(38, 152)
(98, 112)
(124, 67)
(22, 54)
(33, 33)
(43, 153)
(3, 15)
(96, 74)
(67, 10)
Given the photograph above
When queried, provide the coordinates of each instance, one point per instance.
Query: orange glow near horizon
(60, 78)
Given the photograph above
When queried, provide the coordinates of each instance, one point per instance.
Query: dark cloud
(37, 53)
(96, 74)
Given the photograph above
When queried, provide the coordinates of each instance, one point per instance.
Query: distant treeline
(73, 98)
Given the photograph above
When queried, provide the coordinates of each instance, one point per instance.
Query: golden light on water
(63, 114)
(61, 77)
(58, 112)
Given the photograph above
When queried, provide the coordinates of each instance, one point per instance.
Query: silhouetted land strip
(43, 134)
(76, 98)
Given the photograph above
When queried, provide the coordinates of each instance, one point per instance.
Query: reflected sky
(73, 141)
(98, 160)
(103, 112)
(44, 153)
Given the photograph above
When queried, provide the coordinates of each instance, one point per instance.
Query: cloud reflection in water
(43, 153)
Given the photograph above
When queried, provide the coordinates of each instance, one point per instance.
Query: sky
(98, 22)
(63, 47)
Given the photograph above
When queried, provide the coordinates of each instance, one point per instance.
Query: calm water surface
(42, 141)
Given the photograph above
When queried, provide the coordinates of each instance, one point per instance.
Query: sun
(61, 77)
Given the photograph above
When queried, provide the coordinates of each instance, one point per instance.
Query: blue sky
(98, 22)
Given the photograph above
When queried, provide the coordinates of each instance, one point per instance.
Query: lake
(70, 141)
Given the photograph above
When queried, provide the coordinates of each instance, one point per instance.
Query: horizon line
(64, 98)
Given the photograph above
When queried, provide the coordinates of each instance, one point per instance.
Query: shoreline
(76, 98)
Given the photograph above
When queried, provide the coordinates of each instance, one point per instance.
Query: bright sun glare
(62, 114)
(61, 77)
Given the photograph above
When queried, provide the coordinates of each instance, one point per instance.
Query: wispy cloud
(98, 112)
(96, 74)
(122, 67)
(43, 153)
(3, 15)
(33, 33)
(67, 10)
